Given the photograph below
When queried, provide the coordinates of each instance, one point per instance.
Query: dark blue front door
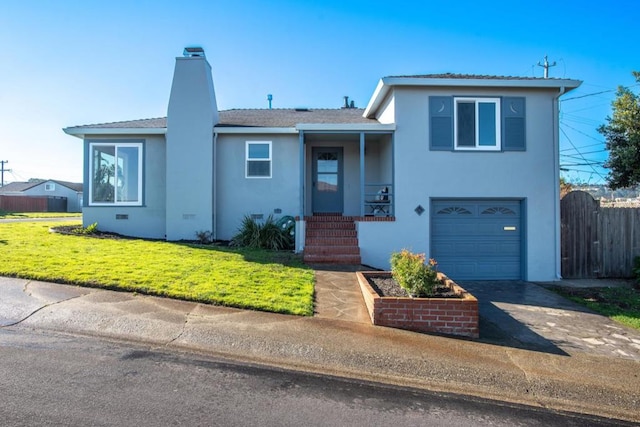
(327, 180)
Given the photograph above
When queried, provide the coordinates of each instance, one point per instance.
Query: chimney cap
(193, 52)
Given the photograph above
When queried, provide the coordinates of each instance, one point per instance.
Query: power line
(578, 151)
(584, 146)
(585, 134)
(598, 93)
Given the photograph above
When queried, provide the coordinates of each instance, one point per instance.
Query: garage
(477, 239)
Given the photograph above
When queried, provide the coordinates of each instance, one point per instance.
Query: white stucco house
(462, 167)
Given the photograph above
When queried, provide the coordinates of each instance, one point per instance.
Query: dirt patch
(78, 230)
(388, 287)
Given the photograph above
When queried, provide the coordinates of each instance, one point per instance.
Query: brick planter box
(451, 316)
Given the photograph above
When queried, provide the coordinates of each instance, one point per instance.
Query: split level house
(461, 167)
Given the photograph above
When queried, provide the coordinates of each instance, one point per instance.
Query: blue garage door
(477, 239)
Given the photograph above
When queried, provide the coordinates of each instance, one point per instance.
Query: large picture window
(258, 159)
(477, 123)
(115, 173)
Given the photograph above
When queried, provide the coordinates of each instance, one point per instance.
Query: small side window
(49, 186)
(258, 159)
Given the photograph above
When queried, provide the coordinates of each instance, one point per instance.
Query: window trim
(247, 159)
(498, 123)
(50, 186)
(116, 145)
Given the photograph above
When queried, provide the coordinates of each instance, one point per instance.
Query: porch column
(302, 174)
(362, 187)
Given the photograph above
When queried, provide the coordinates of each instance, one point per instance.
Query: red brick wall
(454, 316)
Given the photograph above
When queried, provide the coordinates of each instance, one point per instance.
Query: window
(258, 159)
(464, 123)
(477, 123)
(115, 173)
(49, 186)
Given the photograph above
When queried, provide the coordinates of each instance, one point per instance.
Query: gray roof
(19, 187)
(468, 77)
(276, 118)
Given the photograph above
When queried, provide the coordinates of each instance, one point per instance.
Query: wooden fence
(597, 242)
(15, 203)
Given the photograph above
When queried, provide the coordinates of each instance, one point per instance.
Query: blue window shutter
(513, 123)
(441, 122)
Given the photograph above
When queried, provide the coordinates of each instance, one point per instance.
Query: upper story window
(115, 173)
(258, 159)
(477, 123)
(49, 186)
(465, 123)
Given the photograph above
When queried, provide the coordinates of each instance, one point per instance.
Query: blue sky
(67, 63)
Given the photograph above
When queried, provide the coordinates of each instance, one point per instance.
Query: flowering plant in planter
(414, 274)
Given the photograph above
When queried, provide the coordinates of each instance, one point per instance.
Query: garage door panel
(477, 239)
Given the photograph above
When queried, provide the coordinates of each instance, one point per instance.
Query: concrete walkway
(340, 341)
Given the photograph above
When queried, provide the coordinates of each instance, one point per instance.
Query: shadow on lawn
(259, 256)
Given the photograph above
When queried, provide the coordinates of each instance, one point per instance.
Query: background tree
(622, 135)
(565, 187)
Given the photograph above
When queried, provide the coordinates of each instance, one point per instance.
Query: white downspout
(556, 193)
(215, 185)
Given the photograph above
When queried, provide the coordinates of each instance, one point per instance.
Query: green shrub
(90, 229)
(266, 235)
(413, 274)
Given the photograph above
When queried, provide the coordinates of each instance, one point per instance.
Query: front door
(327, 180)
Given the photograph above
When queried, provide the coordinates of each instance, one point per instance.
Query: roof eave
(254, 130)
(385, 84)
(376, 99)
(346, 127)
(81, 132)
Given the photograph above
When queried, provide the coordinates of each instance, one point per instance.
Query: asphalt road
(55, 379)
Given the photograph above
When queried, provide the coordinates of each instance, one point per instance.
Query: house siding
(147, 220)
(238, 196)
(73, 198)
(422, 174)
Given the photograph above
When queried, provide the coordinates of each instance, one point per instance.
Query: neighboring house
(72, 191)
(464, 168)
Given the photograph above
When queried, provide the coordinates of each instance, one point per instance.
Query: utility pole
(2, 171)
(546, 66)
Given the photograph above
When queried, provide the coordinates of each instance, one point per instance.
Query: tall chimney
(191, 115)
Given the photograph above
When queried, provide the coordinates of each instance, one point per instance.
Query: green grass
(25, 215)
(619, 304)
(254, 279)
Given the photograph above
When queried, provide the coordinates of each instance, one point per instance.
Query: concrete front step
(332, 259)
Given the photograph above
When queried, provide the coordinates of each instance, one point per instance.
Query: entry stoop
(331, 239)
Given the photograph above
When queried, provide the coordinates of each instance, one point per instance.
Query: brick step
(329, 218)
(332, 259)
(313, 225)
(331, 241)
(331, 233)
(329, 250)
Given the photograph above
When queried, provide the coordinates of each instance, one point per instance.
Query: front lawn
(26, 215)
(619, 304)
(255, 279)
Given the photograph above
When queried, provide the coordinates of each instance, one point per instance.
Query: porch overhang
(345, 127)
